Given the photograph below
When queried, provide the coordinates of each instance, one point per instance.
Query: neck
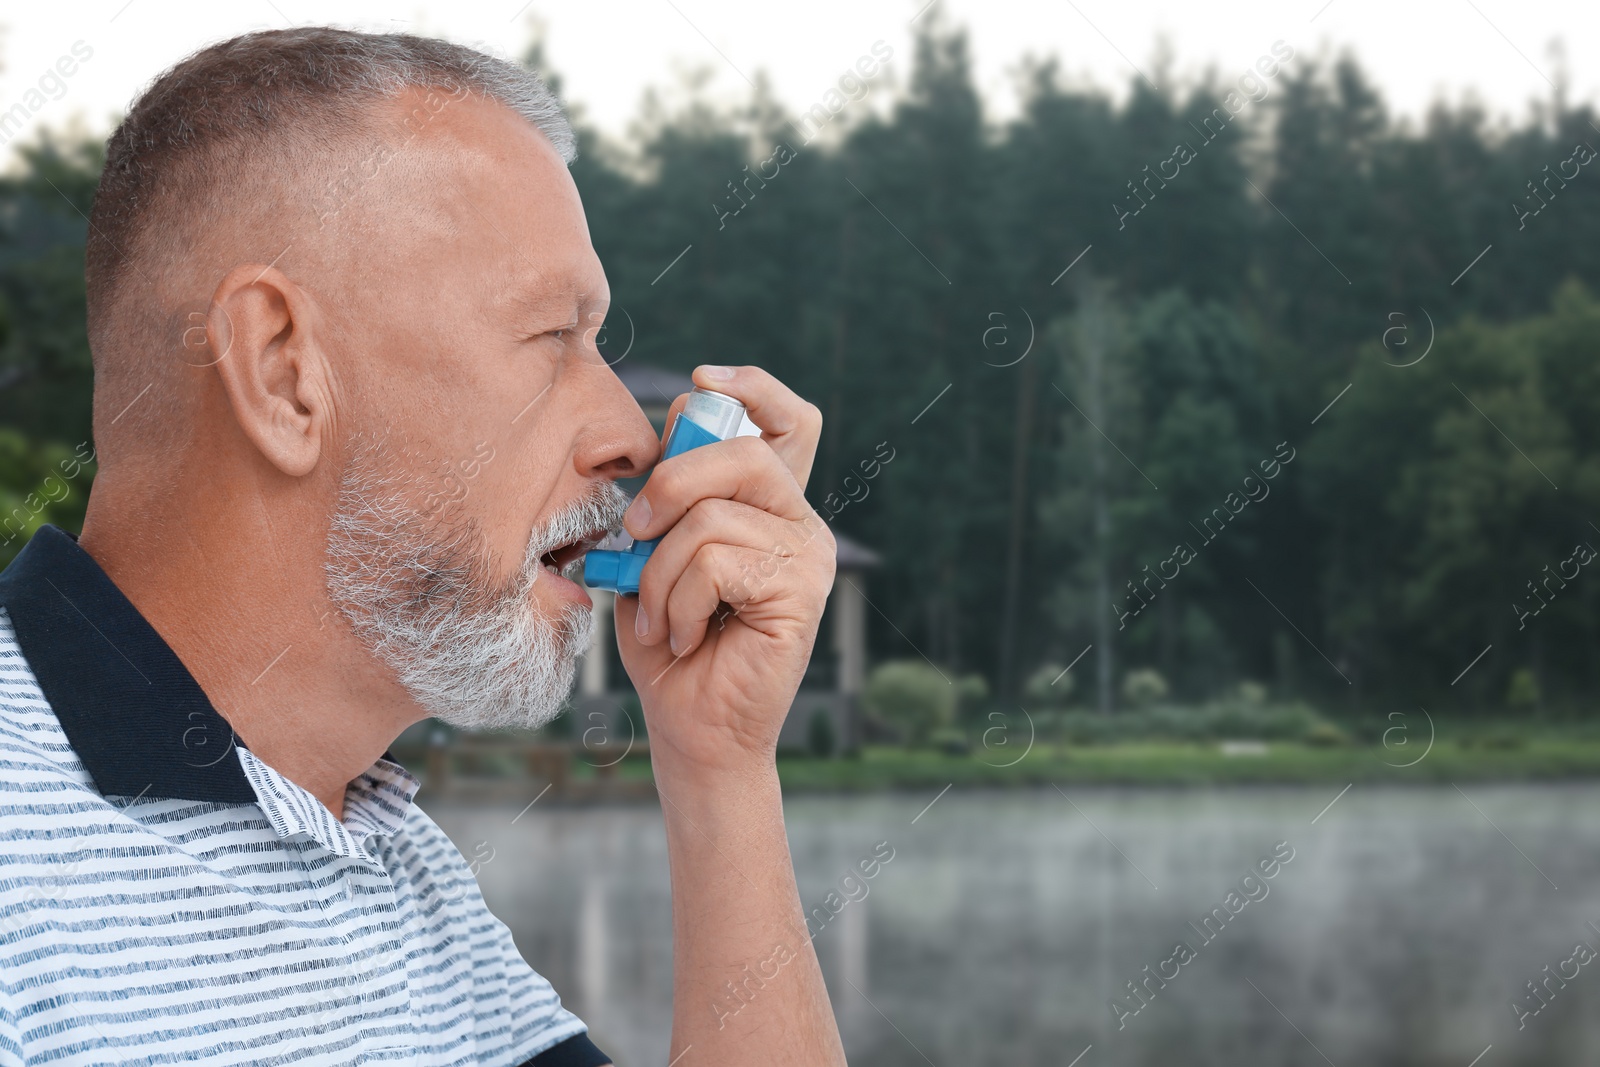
(231, 578)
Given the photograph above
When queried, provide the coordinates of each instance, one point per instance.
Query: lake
(1402, 930)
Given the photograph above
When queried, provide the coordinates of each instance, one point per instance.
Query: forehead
(485, 189)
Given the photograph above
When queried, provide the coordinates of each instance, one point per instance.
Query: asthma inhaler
(707, 416)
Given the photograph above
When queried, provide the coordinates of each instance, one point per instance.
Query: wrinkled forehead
(455, 190)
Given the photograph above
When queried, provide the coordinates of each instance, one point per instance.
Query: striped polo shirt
(167, 896)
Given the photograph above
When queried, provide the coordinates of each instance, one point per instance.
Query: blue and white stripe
(150, 930)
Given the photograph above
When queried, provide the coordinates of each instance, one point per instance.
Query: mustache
(591, 515)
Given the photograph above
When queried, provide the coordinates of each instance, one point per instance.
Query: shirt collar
(136, 717)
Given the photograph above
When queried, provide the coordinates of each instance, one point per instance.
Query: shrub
(1523, 693)
(972, 692)
(819, 734)
(1224, 720)
(1252, 692)
(1505, 739)
(950, 741)
(1042, 689)
(1143, 687)
(913, 697)
(1325, 735)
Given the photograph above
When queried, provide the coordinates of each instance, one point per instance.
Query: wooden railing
(461, 765)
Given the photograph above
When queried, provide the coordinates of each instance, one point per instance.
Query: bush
(1223, 720)
(1143, 687)
(1522, 695)
(950, 741)
(1042, 690)
(972, 693)
(1325, 735)
(913, 697)
(819, 734)
(1504, 739)
(1252, 692)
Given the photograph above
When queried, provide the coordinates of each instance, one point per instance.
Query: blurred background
(1212, 418)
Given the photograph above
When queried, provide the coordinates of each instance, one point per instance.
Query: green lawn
(1167, 763)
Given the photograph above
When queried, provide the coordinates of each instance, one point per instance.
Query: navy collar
(134, 714)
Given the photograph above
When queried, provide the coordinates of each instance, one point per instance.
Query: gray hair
(262, 103)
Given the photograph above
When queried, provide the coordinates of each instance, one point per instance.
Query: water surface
(1402, 931)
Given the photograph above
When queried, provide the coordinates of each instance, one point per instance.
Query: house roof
(853, 555)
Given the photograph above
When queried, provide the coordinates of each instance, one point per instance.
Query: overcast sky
(609, 51)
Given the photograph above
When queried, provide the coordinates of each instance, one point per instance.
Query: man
(334, 280)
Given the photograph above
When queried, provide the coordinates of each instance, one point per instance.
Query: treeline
(1089, 335)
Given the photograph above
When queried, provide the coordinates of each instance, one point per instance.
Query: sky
(1506, 53)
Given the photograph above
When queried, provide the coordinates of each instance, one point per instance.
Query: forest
(1235, 378)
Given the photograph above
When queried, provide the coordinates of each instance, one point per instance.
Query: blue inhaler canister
(707, 416)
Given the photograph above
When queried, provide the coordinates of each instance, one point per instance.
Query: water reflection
(1403, 930)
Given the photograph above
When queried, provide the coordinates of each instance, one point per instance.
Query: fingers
(742, 468)
(790, 424)
(740, 577)
(711, 522)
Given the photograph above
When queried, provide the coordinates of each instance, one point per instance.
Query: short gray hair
(258, 103)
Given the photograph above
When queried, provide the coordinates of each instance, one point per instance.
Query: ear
(271, 367)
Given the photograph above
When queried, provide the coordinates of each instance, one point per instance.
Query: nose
(618, 441)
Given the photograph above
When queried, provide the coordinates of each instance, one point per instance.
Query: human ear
(270, 365)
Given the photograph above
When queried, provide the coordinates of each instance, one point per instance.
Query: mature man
(325, 271)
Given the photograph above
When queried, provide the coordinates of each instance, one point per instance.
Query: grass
(1197, 764)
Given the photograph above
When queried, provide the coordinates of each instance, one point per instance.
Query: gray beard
(419, 593)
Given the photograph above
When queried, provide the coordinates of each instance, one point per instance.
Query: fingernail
(637, 517)
(711, 370)
(641, 623)
(672, 643)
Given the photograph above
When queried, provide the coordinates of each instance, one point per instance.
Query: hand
(719, 636)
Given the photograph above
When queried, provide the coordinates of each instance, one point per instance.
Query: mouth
(566, 560)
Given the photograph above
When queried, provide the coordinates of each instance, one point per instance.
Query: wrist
(739, 776)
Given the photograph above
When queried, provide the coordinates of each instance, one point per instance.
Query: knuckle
(666, 480)
(751, 445)
(707, 517)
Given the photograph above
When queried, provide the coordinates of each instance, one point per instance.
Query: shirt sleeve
(518, 1016)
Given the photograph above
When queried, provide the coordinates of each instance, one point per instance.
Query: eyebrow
(532, 294)
(525, 302)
